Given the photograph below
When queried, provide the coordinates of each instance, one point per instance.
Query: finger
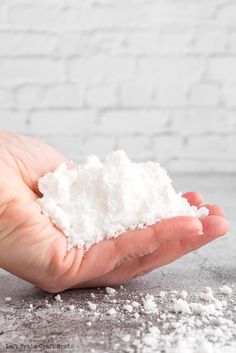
(213, 227)
(108, 254)
(215, 210)
(194, 198)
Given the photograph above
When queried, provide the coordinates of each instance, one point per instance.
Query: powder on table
(226, 290)
(98, 200)
(110, 290)
(181, 306)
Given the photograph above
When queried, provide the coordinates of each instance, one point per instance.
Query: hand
(32, 248)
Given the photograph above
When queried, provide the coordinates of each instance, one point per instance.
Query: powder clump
(96, 200)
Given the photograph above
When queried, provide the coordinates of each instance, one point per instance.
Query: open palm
(32, 248)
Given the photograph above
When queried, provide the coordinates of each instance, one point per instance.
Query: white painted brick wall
(157, 78)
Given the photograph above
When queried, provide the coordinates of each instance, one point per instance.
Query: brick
(69, 146)
(6, 98)
(74, 122)
(157, 78)
(206, 147)
(201, 121)
(99, 69)
(3, 14)
(42, 16)
(30, 70)
(13, 121)
(167, 147)
(232, 40)
(58, 96)
(210, 41)
(134, 121)
(147, 93)
(178, 13)
(231, 140)
(87, 43)
(63, 95)
(138, 148)
(137, 94)
(222, 69)
(229, 95)
(109, 17)
(175, 41)
(171, 69)
(227, 14)
(102, 96)
(73, 43)
(30, 96)
(100, 145)
(203, 94)
(171, 77)
(171, 94)
(140, 42)
(193, 165)
(23, 43)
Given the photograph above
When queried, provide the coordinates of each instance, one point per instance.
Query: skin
(32, 248)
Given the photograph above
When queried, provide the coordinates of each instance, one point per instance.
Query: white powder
(92, 306)
(181, 306)
(149, 305)
(128, 308)
(126, 338)
(112, 312)
(162, 294)
(208, 297)
(226, 290)
(71, 307)
(58, 298)
(97, 200)
(8, 299)
(110, 290)
(184, 294)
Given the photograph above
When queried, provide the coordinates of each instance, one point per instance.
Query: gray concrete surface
(212, 266)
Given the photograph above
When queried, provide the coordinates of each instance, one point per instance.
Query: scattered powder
(181, 306)
(110, 290)
(126, 338)
(128, 308)
(151, 339)
(149, 305)
(71, 307)
(136, 315)
(184, 294)
(58, 298)
(195, 326)
(226, 290)
(209, 309)
(8, 299)
(208, 290)
(96, 200)
(112, 311)
(208, 297)
(92, 306)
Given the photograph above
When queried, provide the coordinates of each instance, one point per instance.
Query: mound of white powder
(98, 200)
